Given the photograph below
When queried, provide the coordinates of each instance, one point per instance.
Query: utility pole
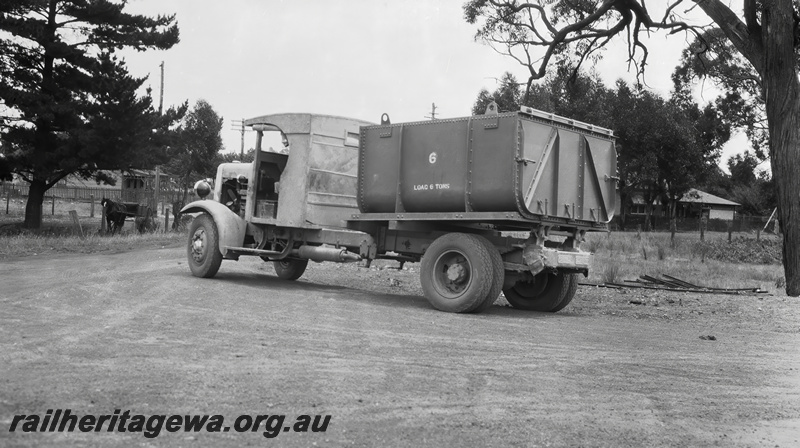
(238, 125)
(432, 116)
(161, 96)
(157, 189)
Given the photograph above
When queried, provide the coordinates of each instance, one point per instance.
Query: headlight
(202, 188)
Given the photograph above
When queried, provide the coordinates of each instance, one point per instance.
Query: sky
(352, 58)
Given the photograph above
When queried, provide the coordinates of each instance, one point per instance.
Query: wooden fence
(158, 203)
(62, 192)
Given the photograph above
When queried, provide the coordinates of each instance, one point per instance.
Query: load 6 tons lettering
(431, 187)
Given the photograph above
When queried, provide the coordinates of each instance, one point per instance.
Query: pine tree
(195, 151)
(71, 105)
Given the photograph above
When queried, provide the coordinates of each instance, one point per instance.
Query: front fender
(231, 226)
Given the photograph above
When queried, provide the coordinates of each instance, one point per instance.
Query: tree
(73, 108)
(576, 94)
(230, 157)
(195, 152)
(751, 188)
(664, 147)
(693, 149)
(766, 34)
(507, 96)
(712, 56)
(743, 168)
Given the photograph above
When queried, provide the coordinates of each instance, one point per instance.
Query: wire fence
(739, 224)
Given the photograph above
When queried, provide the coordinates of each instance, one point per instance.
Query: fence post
(8, 199)
(91, 210)
(157, 190)
(758, 234)
(76, 223)
(166, 221)
(703, 221)
(730, 230)
(53, 206)
(673, 227)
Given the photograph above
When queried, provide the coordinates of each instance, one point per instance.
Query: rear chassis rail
(511, 221)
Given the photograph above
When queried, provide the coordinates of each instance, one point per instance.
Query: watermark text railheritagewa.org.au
(64, 420)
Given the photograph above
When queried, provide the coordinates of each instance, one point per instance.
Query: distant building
(694, 204)
(700, 203)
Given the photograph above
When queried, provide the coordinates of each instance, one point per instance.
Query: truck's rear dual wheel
(290, 268)
(458, 273)
(498, 275)
(547, 292)
(203, 249)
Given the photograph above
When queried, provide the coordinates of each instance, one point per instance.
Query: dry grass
(58, 234)
(627, 256)
(26, 244)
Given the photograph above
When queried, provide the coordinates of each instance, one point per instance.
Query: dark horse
(115, 214)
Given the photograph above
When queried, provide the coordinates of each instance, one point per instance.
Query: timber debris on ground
(669, 283)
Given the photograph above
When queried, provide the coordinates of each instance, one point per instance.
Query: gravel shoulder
(136, 331)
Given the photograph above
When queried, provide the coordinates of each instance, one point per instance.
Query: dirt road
(134, 331)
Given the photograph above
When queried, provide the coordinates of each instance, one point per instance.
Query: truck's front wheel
(546, 292)
(203, 248)
(290, 268)
(457, 273)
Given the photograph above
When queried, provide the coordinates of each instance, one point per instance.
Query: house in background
(698, 203)
(694, 204)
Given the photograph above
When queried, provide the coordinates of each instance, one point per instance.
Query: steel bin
(530, 162)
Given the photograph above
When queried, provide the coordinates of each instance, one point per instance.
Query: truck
(485, 203)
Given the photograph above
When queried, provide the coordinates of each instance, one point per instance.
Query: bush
(743, 250)
(611, 272)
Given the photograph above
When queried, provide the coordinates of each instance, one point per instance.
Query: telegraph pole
(161, 96)
(238, 125)
(157, 191)
(432, 116)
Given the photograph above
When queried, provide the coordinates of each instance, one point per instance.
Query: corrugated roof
(696, 196)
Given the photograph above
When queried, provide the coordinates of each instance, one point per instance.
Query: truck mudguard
(231, 227)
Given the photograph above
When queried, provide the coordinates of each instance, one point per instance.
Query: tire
(290, 268)
(569, 294)
(203, 248)
(545, 293)
(498, 274)
(457, 273)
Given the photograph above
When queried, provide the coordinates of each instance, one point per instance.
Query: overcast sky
(353, 58)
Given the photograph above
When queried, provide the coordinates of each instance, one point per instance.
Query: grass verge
(57, 237)
(743, 262)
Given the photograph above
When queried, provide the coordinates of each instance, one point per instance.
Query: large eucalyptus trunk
(782, 98)
(769, 46)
